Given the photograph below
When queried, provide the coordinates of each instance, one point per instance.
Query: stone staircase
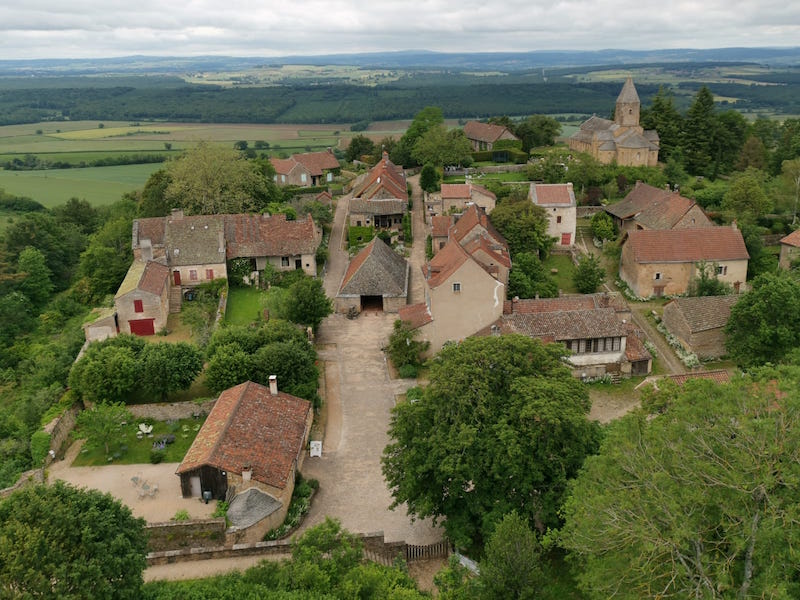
(175, 299)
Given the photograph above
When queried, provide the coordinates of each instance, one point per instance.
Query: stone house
(558, 200)
(379, 198)
(699, 323)
(622, 140)
(483, 136)
(307, 169)
(254, 439)
(595, 328)
(790, 249)
(663, 262)
(377, 278)
(141, 302)
(455, 197)
(648, 207)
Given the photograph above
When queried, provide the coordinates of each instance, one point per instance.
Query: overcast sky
(109, 28)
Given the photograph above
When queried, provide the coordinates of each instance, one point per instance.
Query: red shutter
(137, 306)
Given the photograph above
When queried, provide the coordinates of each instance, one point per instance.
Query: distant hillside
(409, 59)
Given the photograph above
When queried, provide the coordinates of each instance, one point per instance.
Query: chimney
(177, 214)
(273, 385)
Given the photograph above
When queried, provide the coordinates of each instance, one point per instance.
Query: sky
(111, 28)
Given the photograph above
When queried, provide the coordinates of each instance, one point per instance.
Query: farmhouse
(622, 140)
(254, 439)
(648, 207)
(305, 170)
(483, 136)
(663, 262)
(699, 323)
(377, 278)
(558, 200)
(379, 197)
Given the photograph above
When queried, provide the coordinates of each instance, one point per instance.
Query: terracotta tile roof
(250, 426)
(475, 216)
(195, 240)
(705, 312)
(687, 245)
(317, 162)
(416, 315)
(552, 194)
(376, 271)
(484, 132)
(384, 181)
(269, 235)
(154, 278)
(717, 376)
(444, 263)
(440, 225)
(793, 239)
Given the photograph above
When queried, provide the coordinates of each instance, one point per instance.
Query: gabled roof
(687, 245)
(150, 277)
(384, 181)
(552, 194)
(376, 271)
(269, 235)
(705, 312)
(195, 240)
(475, 216)
(485, 132)
(317, 162)
(793, 239)
(249, 427)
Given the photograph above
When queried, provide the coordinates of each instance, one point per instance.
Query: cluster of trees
(238, 354)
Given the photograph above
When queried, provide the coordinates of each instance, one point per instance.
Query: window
(456, 287)
(192, 275)
(209, 274)
(657, 276)
(558, 219)
(137, 306)
(284, 261)
(722, 269)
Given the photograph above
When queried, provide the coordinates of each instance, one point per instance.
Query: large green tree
(697, 502)
(57, 541)
(502, 426)
(765, 323)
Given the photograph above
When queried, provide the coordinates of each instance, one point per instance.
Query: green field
(98, 185)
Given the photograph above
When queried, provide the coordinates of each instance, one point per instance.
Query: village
(435, 262)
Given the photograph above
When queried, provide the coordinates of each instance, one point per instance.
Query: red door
(566, 239)
(143, 327)
(176, 277)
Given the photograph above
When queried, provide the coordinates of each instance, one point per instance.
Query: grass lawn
(562, 263)
(130, 450)
(244, 305)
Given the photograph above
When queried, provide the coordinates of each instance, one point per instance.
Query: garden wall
(176, 535)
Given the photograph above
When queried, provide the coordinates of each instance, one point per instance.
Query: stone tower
(626, 113)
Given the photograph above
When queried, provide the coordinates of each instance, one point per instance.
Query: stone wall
(177, 535)
(171, 410)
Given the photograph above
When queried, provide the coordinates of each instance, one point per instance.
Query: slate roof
(687, 245)
(248, 426)
(376, 271)
(195, 240)
(384, 181)
(793, 239)
(705, 312)
(485, 132)
(552, 194)
(416, 315)
(150, 277)
(269, 235)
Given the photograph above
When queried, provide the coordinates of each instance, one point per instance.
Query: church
(622, 140)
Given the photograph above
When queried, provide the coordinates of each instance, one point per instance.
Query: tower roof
(628, 94)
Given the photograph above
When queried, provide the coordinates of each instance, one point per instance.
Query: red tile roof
(687, 245)
(154, 278)
(416, 315)
(484, 132)
(248, 426)
(548, 194)
(793, 239)
(269, 235)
